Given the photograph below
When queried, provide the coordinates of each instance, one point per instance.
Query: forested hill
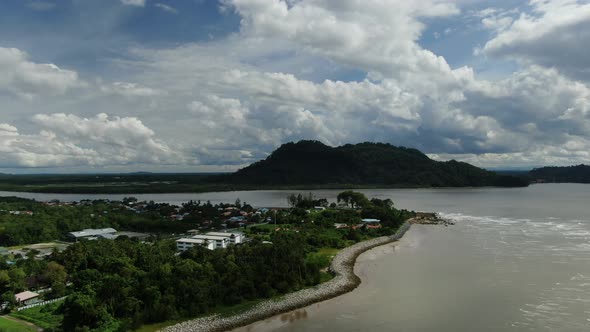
(574, 174)
(313, 163)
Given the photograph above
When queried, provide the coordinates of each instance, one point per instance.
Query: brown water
(515, 261)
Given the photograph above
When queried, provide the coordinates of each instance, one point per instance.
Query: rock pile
(429, 218)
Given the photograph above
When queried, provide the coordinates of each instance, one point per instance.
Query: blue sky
(206, 85)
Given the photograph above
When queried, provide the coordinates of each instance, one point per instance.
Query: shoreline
(344, 281)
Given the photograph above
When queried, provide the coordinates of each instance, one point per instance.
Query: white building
(220, 241)
(185, 244)
(211, 240)
(234, 238)
(92, 234)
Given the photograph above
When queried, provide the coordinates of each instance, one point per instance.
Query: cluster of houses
(210, 240)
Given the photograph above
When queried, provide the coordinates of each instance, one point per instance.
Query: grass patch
(7, 325)
(44, 316)
(325, 276)
(328, 252)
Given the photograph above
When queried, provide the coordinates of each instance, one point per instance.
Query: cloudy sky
(207, 85)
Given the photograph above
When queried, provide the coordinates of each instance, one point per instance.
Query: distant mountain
(573, 174)
(313, 163)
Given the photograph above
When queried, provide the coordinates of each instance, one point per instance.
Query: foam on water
(565, 306)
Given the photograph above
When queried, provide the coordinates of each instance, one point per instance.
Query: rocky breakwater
(430, 218)
(343, 282)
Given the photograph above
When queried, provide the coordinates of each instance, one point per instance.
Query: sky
(214, 85)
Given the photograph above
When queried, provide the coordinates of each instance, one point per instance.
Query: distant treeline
(573, 174)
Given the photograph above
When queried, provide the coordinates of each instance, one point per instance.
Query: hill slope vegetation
(311, 162)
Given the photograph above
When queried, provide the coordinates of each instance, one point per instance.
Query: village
(39, 274)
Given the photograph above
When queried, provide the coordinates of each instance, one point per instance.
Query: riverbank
(344, 281)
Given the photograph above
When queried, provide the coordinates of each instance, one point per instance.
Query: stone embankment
(430, 218)
(343, 282)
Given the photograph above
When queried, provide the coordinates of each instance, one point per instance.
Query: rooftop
(210, 237)
(93, 232)
(24, 296)
(223, 234)
(196, 241)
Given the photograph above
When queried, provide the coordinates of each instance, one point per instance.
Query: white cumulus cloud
(28, 79)
(554, 34)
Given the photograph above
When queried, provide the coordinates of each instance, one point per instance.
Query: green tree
(55, 275)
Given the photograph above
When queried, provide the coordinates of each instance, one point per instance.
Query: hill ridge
(312, 162)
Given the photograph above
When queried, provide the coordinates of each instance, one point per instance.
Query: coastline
(344, 281)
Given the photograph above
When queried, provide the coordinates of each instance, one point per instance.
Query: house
(91, 234)
(371, 221)
(211, 240)
(185, 244)
(340, 225)
(234, 238)
(219, 241)
(27, 297)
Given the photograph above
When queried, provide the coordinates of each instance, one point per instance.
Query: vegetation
(122, 284)
(47, 317)
(573, 174)
(311, 162)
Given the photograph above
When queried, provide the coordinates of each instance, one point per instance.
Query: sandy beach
(344, 281)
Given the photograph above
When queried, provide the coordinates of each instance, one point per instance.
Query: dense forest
(311, 162)
(573, 174)
(118, 285)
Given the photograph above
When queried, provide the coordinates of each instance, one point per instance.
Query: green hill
(311, 162)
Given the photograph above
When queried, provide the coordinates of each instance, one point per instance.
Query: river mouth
(486, 273)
